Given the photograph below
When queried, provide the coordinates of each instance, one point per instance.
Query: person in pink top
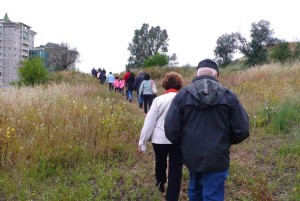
(121, 86)
(117, 84)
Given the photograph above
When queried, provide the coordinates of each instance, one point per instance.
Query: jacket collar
(171, 90)
(204, 76)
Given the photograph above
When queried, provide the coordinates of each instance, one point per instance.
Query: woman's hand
(142, 148)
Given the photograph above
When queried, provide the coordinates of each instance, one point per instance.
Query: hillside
(75, 140)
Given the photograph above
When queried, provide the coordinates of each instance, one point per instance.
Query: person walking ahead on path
(125, 78)
(205, 119)
(146, 92)
(139, 79)
(117, 84)
(111, 79)
(154, 129)
(130, 82)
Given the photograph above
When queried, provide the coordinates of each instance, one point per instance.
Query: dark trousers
(162, 151)
(111, 86)
(148, 98)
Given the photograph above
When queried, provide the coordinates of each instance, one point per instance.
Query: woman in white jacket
(154, 129)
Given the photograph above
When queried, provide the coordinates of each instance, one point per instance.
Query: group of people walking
(100, 74)
(193, 125)
(144, 86)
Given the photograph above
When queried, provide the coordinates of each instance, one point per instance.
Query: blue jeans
(207, 186)
(140, 98)
(129, 94)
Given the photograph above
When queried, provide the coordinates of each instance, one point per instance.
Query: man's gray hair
(207, 71)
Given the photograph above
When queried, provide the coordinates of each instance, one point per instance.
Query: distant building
(50, 51)
(16, 39)
(42, 53)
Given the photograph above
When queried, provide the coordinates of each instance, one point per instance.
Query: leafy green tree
(227, 45)
(258, 54)
(33, 71)
(281, 52)
(156, 60)
(261, 39)
(262, 33)
(145, 43)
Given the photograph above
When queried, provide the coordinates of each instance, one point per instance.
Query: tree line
(149, 47)
(261, 47)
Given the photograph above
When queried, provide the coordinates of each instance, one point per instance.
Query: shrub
(281, 52)
(156, 60)
(286, 118)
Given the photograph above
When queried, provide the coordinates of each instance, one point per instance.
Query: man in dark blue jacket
(136, 86)
(205, 119)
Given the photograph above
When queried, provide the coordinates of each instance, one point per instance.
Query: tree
(145, 43)
(62, 57)
(258, 54)
(33, 71)
(262, 33)
(226, 47)
(156, 60)
(173, 60)
(261, 39)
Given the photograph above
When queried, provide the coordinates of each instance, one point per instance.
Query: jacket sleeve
(149, 124)
(239, 123)
(141, 88)
(173, 122)
(135, 85)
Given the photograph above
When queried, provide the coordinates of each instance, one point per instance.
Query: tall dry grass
(64, 124)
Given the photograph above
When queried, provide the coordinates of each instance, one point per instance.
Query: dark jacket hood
(207, 90)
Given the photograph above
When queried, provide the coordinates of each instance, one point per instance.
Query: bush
(156, 60)
(281, 52)
(286, 118)
(296, 52)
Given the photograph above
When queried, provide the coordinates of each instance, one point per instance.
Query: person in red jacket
(126, 78)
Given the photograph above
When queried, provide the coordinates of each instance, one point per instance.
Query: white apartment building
(16, 39)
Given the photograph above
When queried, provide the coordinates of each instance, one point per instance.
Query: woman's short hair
(146, 76)
(172, 80)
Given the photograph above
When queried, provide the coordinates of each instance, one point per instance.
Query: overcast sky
(101, 30)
